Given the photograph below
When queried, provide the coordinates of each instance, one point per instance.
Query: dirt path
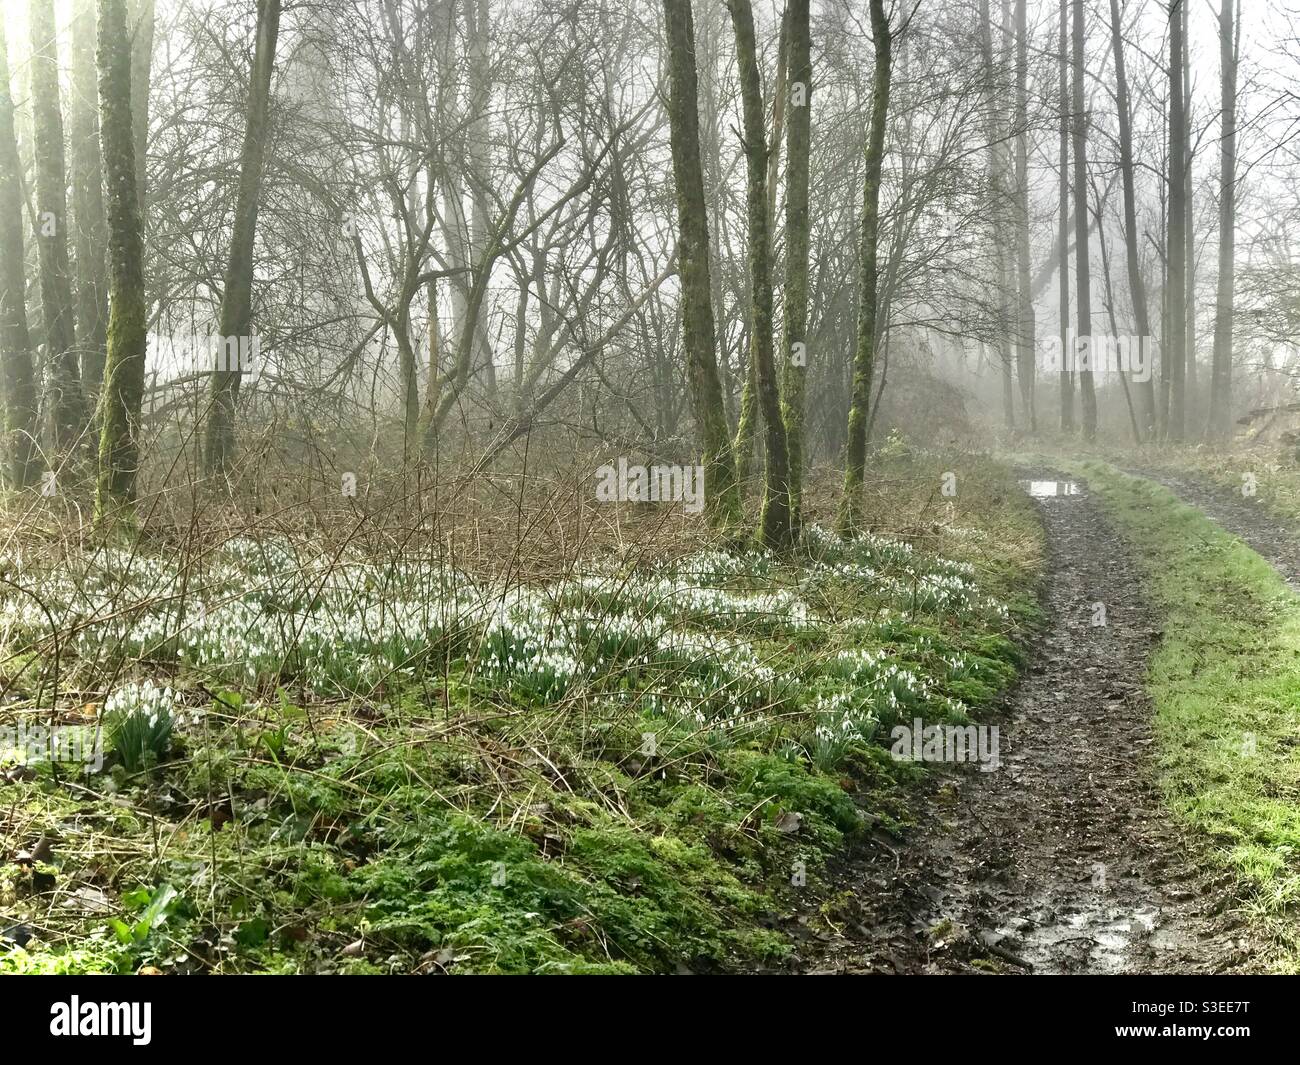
(1243, 516)
(1062, 860)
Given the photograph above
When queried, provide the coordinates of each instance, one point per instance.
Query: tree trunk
(798, 157)
(20, 456)
(722, 499)
(997, 168)
(1025, 327)
(1063, 213)
(1083, 273)
(478, 22)
(124, 367)
(1146, 390)
(1176, 253)
(774, 518)
(1193, 414)
(62, 371)
(1220, 426)
(855, 465)
(90, 233)
(237, 296)
(141, 28)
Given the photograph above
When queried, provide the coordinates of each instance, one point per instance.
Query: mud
(1063, 860)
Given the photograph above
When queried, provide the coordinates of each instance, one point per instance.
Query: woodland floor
(1065, 861)
(1124, 831)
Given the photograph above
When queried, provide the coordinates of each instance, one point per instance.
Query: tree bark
(1146, 390)
(123, 392)
(90, 232)
(141, 17)
(1083, 272)
(1025, 326)
(774, 518)
(798, 158)
(21, 466)
(722, 498)
(850, 512)
(237, 296)
(1220, 427)
(1193, 412)
(63, 373)
(1063, 215)
(997, 193)
(1176, 253)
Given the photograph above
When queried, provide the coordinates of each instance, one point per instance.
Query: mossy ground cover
(379, 766)
(1226, 686)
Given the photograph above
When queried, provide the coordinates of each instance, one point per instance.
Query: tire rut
(1064, 859)
(1245, 517)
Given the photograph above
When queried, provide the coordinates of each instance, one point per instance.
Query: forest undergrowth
(517, 734)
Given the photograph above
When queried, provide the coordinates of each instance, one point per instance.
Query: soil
(1063, 860)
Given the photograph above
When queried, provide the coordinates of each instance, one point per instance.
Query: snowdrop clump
(893, 568)
(257, 610)
(139, 719)
(143, 699)
(843, 716)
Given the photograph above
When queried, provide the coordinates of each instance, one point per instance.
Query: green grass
(1226, 685)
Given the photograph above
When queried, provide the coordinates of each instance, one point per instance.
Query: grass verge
(1226, 685)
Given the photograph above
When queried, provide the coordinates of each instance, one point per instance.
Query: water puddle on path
(1048, 489)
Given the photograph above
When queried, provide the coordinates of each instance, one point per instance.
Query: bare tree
(864, 353)
(1176, 250)
(794, 353)
(1221, 373)
(90, 236)
(722, 493)
(19, 458)
(63, 373)
(1083, 273)
(1132, 238)
(237, 292)
(123, 392)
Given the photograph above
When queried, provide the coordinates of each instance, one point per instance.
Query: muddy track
(1063, 859)
(1245, 517)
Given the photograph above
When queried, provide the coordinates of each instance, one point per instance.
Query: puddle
(1046, 489)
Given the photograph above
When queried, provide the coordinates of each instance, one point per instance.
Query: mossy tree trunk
(722, 497)
(123, 388)
(20, 463)
(855, 464)
(90, 233)
(63, 374)
(774, 518)
(798, 152)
